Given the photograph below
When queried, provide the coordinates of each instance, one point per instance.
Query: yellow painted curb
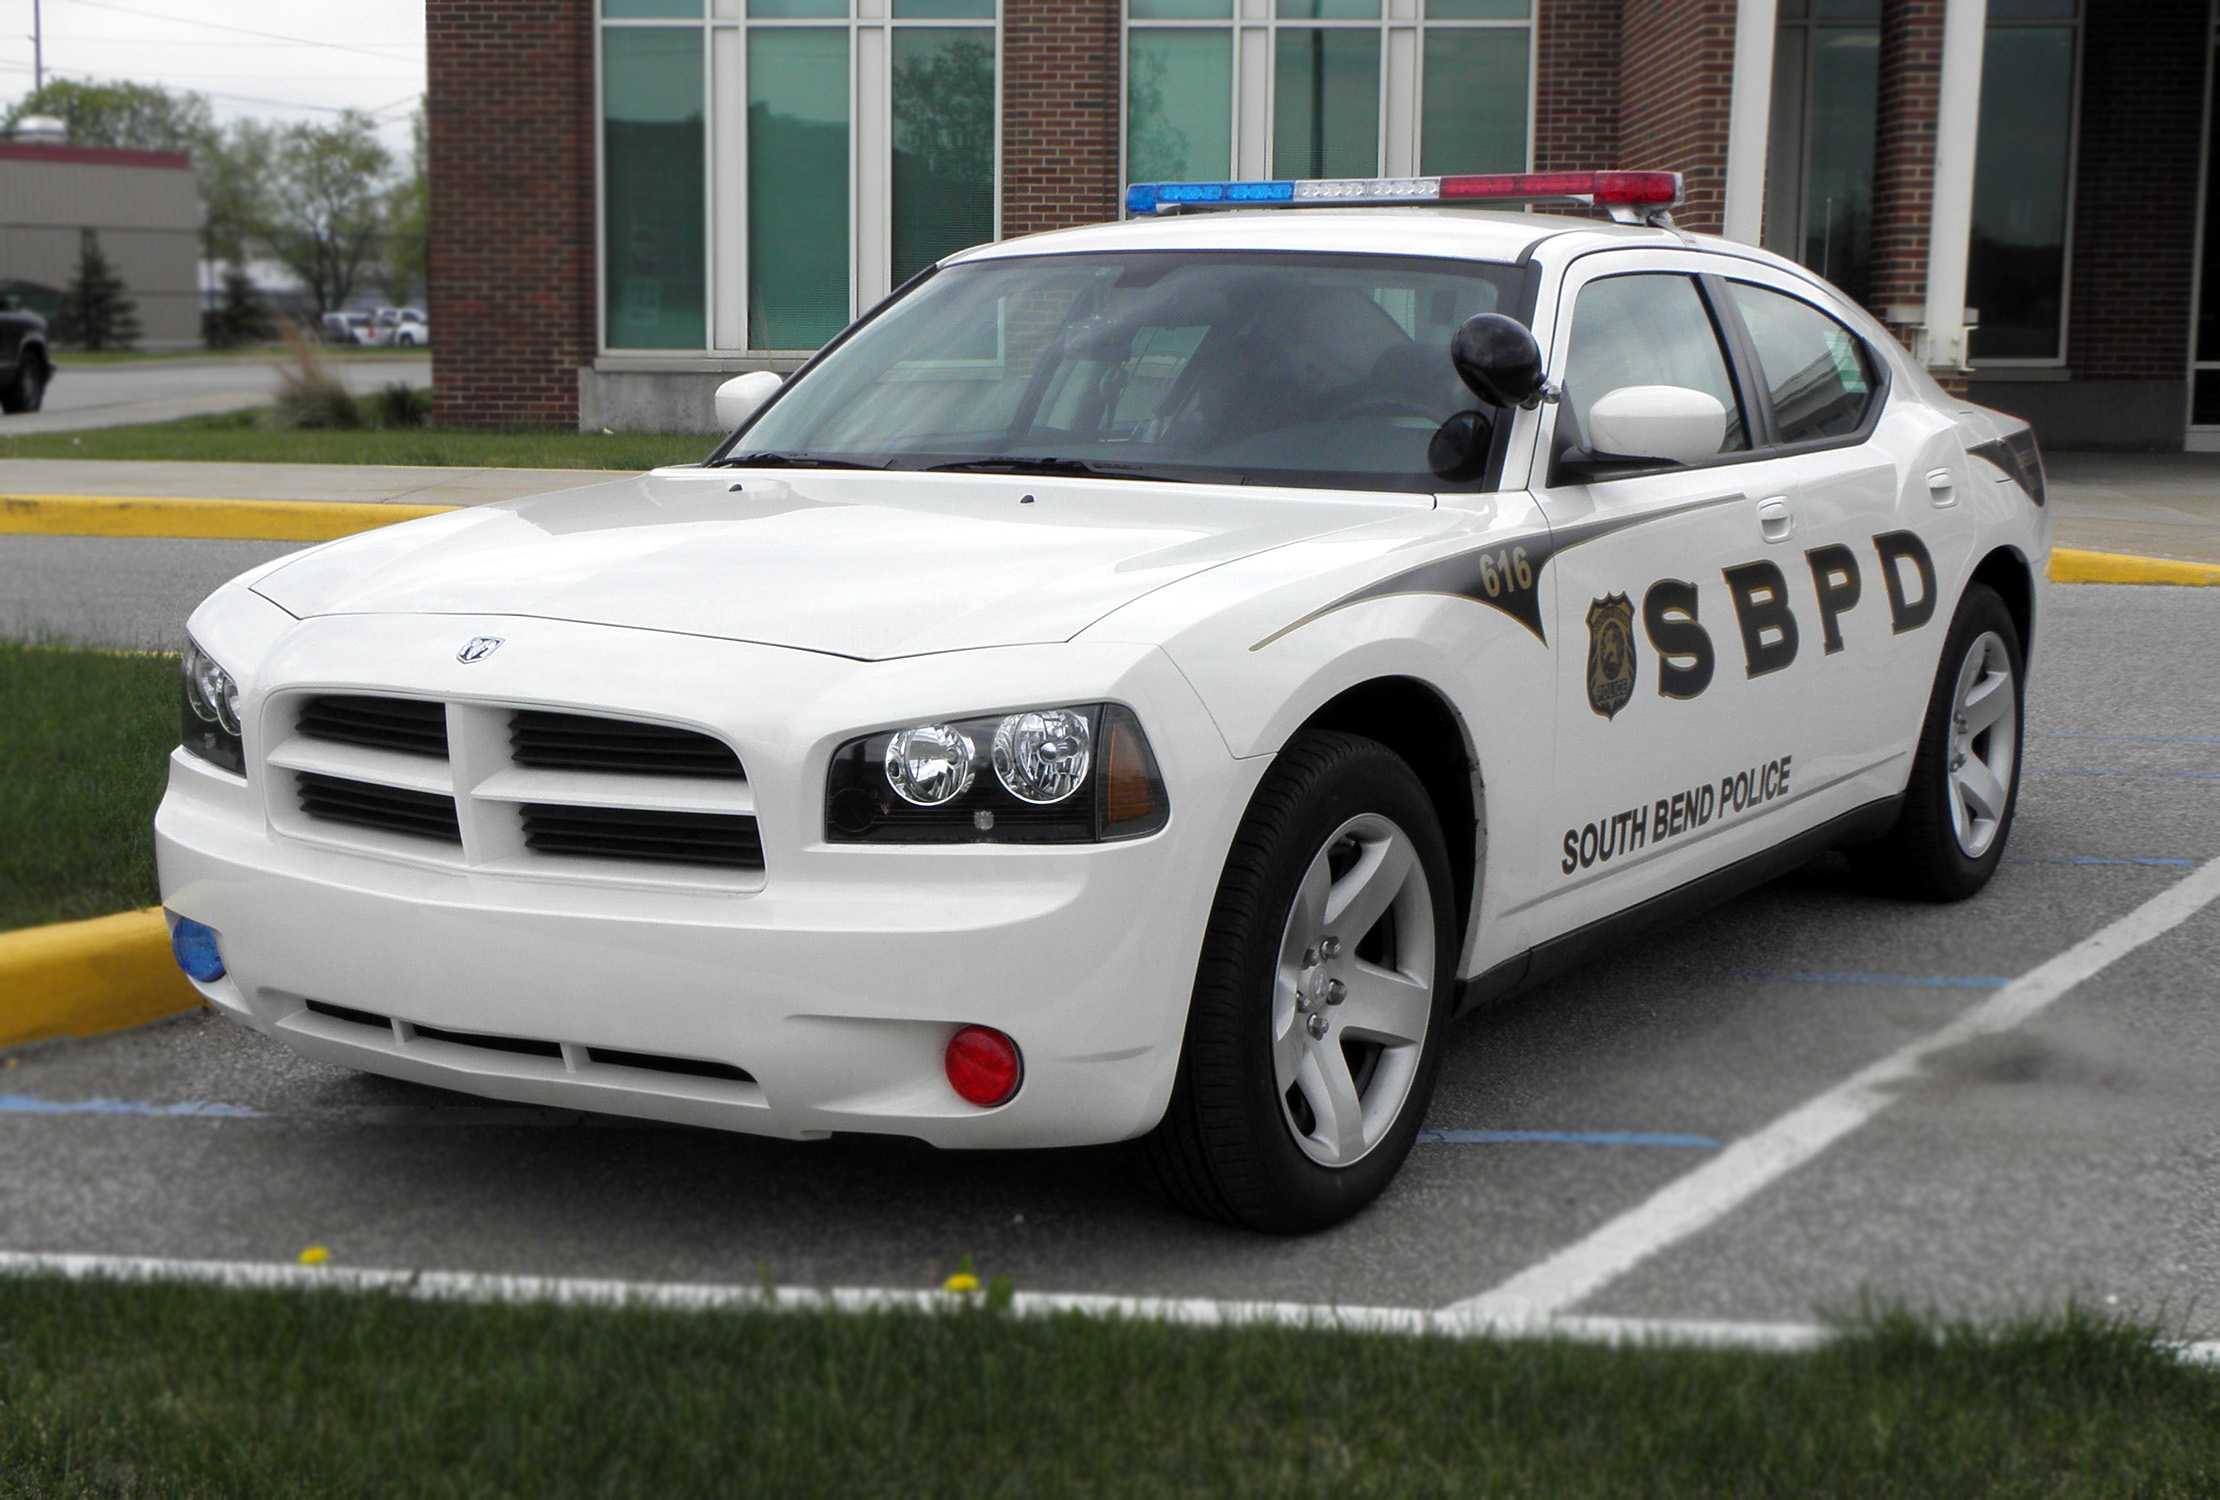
(83, 978)
(2072, 565)
(245, 520)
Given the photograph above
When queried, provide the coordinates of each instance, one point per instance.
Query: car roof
(1462, 233)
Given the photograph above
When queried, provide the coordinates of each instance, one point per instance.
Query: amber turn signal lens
(1133, 800)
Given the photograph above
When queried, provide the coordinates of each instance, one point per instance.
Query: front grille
(336, 799)
(352, 1017)
(405, 724)
(526, 1046)
(684, 1067)
(678, 838)
(522, 1045)
(581, 742)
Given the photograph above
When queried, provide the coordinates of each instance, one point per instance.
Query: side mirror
(1668, 422)
(743, 396)
(1498, 358)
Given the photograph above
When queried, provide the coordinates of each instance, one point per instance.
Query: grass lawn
(151, 1390)
(84, 743)
(244, 437)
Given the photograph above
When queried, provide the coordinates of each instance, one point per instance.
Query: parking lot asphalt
(163, 390)
(2075, 1156)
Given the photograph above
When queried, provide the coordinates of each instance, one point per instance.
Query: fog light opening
(193, 944)
(984, 1067)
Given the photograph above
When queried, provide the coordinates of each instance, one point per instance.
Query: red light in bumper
(984, 1067)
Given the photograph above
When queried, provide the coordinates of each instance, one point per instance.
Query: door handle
(1941, 488)
(1776, 523)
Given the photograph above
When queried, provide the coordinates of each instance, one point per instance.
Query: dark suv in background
(25, 365)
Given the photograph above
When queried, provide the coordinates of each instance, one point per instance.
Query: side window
(1647, 329)
(1820, 374)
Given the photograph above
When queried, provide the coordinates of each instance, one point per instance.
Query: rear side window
(1650, 328)
(1819, 373)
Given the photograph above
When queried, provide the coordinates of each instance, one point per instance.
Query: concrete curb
(2072, 565)
(84, 978)
(242, 520)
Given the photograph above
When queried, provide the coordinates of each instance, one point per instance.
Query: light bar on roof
(1636, 192)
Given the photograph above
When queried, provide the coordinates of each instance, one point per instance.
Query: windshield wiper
(1077, 466)
(789, 461)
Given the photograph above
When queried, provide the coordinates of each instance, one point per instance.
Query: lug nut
(1331, 947)
(1317, 1027)
(1336, 992)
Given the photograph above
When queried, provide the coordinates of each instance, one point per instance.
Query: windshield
(1283, 368)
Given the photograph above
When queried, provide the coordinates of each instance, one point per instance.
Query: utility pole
(38, 51)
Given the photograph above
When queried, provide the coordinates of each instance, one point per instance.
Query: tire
(1965, 782)
(1263, 1130)
(27, 391)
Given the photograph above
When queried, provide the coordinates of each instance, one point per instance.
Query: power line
(328, 109)
(275, 36)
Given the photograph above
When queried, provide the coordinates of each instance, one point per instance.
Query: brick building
(631, 197)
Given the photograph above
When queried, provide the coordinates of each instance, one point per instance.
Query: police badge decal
(1610, 654)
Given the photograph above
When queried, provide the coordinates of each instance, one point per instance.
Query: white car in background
(1143, 682)
(399, 327)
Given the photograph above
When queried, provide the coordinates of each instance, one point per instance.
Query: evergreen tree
(241, 318)
(96, 314)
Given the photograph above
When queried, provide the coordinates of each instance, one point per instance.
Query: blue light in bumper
(194, 945)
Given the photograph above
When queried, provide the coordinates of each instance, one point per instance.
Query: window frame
(1883, 374)
(1402, 103)
(724, 184)
(1740, 349)
(1788, 154)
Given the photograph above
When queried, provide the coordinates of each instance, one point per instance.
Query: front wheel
(27, 391)
(1965, 779)
(1320, 998)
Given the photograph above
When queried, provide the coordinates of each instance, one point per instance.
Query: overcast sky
(280, 59)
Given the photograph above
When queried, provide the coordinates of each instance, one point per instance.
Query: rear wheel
(1320, 997)
(1965, 779)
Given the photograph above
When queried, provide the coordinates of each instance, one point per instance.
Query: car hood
(865, 565)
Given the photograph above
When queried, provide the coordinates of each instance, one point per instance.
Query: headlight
(208, 713)
(1066, 775)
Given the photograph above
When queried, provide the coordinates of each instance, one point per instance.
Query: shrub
(403, 405)
(308, 395)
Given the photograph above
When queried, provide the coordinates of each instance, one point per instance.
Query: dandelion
(315, 1255)
(962, 1281)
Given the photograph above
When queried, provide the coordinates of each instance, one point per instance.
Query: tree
(241, 318)
(234, 184)
(323, 213)
(135, 116)
(96, 313)
(408, 212)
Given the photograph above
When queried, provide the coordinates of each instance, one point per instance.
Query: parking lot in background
(2075, 1156)
(163, 390)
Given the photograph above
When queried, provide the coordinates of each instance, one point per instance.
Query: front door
(1679, 723)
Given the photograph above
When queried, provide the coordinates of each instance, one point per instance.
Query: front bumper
(834, 985)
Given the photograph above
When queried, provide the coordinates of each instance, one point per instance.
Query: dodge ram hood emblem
(478, 648)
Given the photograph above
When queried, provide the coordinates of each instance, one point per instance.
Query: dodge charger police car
(1139, 682)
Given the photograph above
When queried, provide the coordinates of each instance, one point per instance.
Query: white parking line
(1188, 1312)
(1550, 1288)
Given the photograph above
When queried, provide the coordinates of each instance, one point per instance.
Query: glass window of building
(1819, 190)
(771, 167)
(1326, 88)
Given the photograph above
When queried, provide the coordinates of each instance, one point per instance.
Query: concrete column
(1750, 117)
(1950, 231)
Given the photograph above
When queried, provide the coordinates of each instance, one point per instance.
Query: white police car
(1140, 682)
